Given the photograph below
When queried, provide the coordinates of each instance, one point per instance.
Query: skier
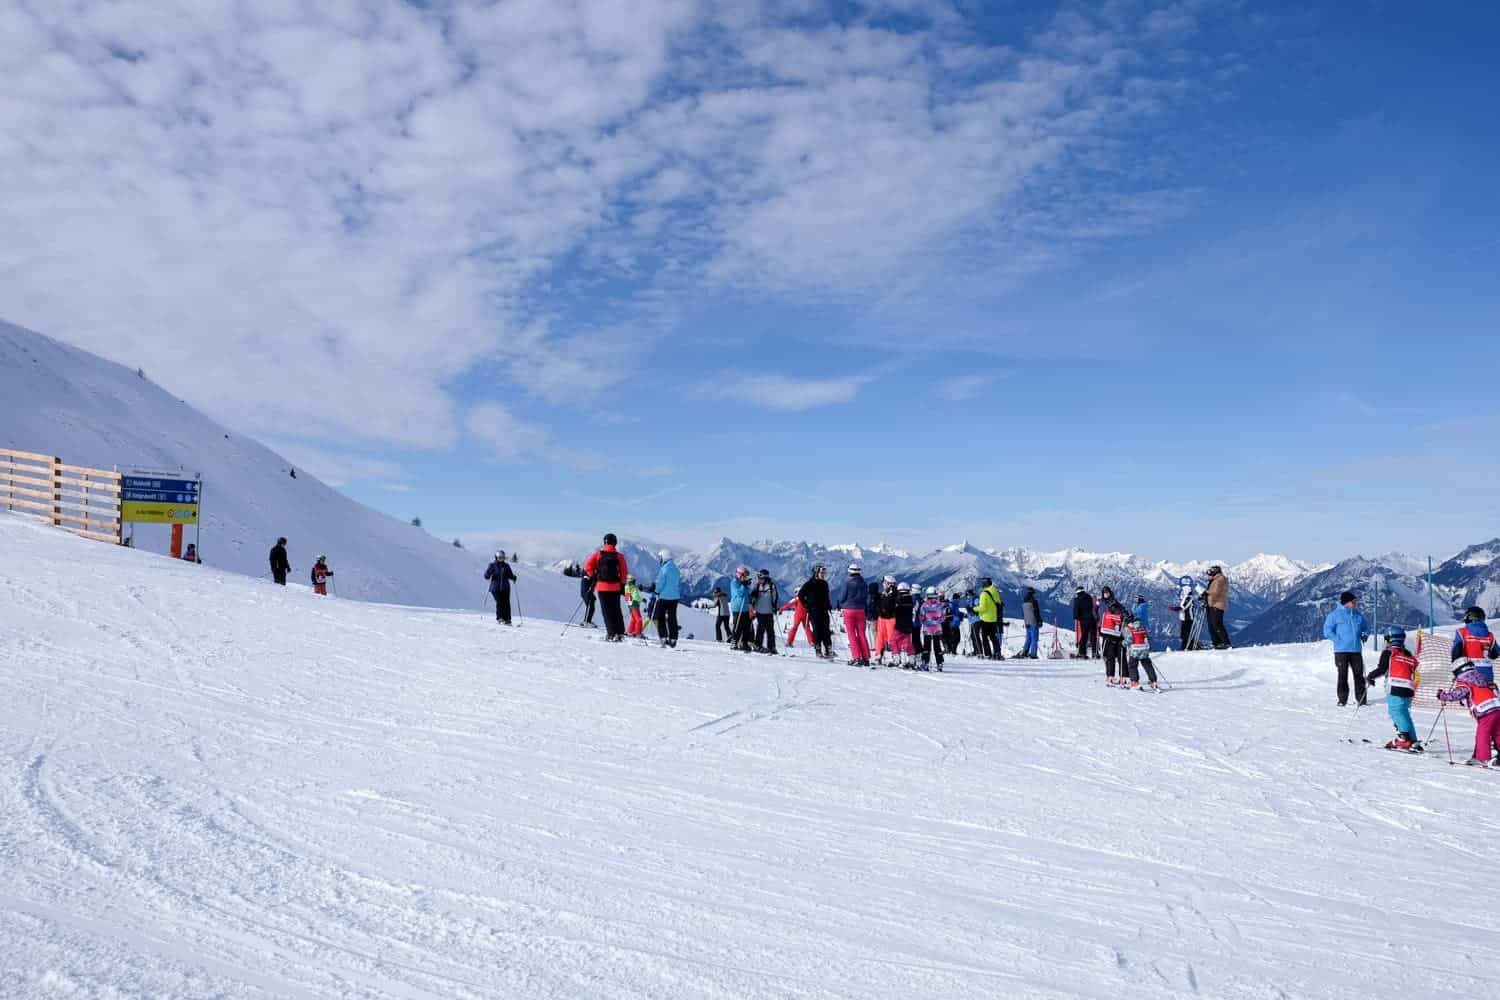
(1348, 630)
(668, 594)
(608, 570)
(1472, 688)
(885, 618)
(931, 619)
(976, 633)
(191, 554)
(586, 594)
(1217, 598)
(1187, 602)
(739, 608)
(953, 629)
(1475, 642)
(1138, 636)
(722, 630)
(1085, 626)
(1400, 667)
(872, 613)
(1031, 617)
(280, 567)
(633, 601)
(766, 599)
(853, 599)
(903, 611)
(320, 574)
(799, 620)
(991, 609)
(815, 602)
(1112, 631)
(500, 576)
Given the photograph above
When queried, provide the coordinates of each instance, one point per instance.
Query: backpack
(607, 569)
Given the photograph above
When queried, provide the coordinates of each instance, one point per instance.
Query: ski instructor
(606, 568)
(1348, 630)
(500, 576)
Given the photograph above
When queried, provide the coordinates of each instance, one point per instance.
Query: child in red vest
(1111, 630)
(320, 575)
(1471, 688)
(1400, 666)
(1476, 643)
(1139, 640)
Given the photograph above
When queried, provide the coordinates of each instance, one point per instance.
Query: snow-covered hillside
(62, 401)
(211, 786)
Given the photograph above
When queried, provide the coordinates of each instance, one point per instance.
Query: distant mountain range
(1273, 598)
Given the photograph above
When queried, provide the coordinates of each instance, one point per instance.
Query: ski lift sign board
(153, 500)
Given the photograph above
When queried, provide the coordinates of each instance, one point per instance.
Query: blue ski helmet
(1185, 581)
(1394, 635)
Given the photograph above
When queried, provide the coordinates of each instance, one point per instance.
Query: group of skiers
(1471, 655)
(319, 576)
(1125, 634)
(607, 581)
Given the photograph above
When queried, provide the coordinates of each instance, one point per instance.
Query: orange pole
(177, 541)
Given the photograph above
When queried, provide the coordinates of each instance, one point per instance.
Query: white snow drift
(211, 786)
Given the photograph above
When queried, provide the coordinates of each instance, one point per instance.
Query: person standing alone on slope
(607, 569)
(319, 576)
(1348, 630)
(500, 575)
(280, 566)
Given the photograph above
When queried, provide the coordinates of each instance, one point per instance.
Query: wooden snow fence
(74, 498)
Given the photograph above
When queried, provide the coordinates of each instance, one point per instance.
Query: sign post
(148, 498)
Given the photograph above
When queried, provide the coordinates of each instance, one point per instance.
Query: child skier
(933, 620)
(1470, 687)
(648, 609)
(1111, 629)
(902, 611)
(885, 619)
(320, 575)
(1400, 667)
(1476, 643)
(723, 632)
(1138, 636)
(633, 602)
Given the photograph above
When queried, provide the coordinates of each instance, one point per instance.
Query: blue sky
(1187, 279)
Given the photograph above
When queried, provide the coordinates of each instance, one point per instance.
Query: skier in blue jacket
(739, 609)
(668, 594)
(1348, 630)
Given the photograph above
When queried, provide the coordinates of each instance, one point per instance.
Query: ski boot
(1400, 743)
(1477, 762)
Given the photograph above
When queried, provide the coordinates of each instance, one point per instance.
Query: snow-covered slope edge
(59, 400)
(211, 786)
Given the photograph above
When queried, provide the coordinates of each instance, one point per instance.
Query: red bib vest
(1109, 623)
(1476, 647)
(1482, 701)
(1140, 639)
(1402, 672)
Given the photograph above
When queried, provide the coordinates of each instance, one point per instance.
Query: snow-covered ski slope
(59, 400)
(211, 786)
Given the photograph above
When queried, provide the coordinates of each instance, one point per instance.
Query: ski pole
(569, 622)
(1445, 736)
(517, 592)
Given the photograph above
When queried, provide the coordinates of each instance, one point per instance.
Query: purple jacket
(933, 615)
(1463, 687)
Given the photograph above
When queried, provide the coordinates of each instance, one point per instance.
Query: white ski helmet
(664, 555)
(888, 580)
(931, 591)
(854, 568)
(904, 588)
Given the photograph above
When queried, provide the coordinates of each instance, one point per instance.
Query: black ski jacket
(279, 563)
(887, 604)
(815, 597)
(902, 609)
(1083, 608)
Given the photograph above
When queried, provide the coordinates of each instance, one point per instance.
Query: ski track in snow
(210, 788)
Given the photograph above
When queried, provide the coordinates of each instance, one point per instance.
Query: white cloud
(315, 219)
(963, 387)
(503, 434)
(784, 392)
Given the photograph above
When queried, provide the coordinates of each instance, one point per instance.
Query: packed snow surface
(212, 786)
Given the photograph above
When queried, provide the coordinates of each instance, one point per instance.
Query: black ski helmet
(610, 539)
(1474, 614)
